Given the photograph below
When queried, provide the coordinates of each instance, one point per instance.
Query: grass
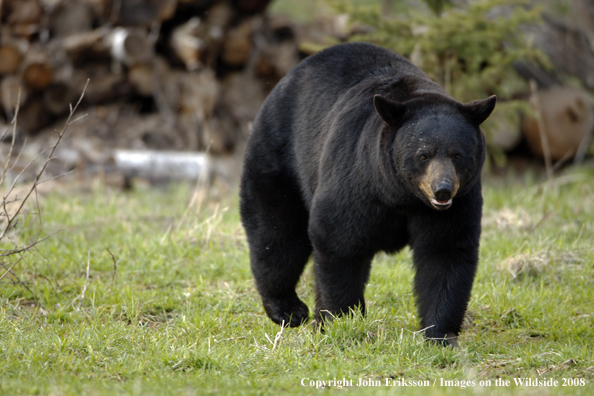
(170, 308)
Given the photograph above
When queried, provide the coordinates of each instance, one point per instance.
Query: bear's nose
(443, 192)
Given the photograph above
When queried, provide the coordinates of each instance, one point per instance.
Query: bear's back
(343, 66)
(292, 127)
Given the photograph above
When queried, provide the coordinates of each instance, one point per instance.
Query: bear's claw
(291, 312)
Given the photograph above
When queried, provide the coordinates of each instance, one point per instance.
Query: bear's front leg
(443, 283)
(340, 284)
(445, 249)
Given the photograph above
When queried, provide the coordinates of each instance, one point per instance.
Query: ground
(170, 307)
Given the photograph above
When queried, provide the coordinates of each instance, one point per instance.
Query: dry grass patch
(534, 264)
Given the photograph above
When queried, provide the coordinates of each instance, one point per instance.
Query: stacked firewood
(163, 74)
(565, 126)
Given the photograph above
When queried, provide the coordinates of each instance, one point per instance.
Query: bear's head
(435, 144)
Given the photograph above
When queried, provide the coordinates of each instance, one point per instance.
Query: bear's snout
(442, 195)
(440, 184)
(444, 191)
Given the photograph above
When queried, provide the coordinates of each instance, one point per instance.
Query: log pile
(164, 74)
(566, 123)
(191, 75)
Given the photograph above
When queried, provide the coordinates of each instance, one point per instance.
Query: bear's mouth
(441, 205)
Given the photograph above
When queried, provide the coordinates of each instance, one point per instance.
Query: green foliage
(468, 50)
(437, 6)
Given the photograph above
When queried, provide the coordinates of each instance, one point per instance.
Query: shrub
(469, 50)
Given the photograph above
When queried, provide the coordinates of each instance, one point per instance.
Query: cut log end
(38, 76)
(567, 117)
(10, 59)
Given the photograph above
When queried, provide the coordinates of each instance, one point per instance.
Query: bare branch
(77, 119)
(12, 220)
(14, 125)
(16, 251)
(16, 161)
(10, 268)
(50, 156)
(57, 177)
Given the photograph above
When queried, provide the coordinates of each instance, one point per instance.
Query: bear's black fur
(357, 151)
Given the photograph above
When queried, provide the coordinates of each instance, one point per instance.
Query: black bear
(357, 151)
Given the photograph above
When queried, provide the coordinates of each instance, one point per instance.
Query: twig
(77, 119)
(561, 161)
(539, 222)
(49, 268)
(199, 193)
(16, 251)
(423, 330)
(57, 177)
(14, 125)
(50, 156)
(115, 267)
(9, 201)
(16, 161)
(16, 179)
(6, 130)
(277, 337)
(328, 312)
(160, 100)
(11, 219)
(544, 141)
(582, 148)
(19, 281)
(10, 269)
(82, 294)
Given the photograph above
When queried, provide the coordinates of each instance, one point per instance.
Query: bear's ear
(391, 112)
(479, 110)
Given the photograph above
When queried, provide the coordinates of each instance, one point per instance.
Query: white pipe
(174, 165)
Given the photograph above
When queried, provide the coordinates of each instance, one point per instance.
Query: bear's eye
(423, 157)
(457, 156)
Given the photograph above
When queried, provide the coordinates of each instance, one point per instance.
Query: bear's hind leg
(277, 266)
(276, 220)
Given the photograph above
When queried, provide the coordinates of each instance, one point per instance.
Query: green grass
(178, 312)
